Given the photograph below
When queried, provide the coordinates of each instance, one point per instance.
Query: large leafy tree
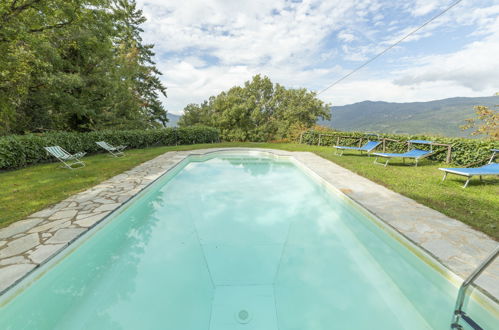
(258, 111)
(136, 59)
(76, 65)
(25, 27)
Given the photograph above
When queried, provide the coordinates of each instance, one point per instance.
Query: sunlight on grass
(28, 190)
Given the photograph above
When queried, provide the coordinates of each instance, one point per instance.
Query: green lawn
(28, 190)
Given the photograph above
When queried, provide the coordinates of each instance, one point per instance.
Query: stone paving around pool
(26, 244)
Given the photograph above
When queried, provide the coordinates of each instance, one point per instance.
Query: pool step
(468, 320)
(458, 311)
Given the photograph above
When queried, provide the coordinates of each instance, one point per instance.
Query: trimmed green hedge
(21, 150)
(464, 151)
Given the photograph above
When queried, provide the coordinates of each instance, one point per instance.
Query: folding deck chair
(65, 157)
(368, 147)
(115, 151)
(414, 153)
(490, 169)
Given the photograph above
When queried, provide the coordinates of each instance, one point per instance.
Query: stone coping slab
(29, 243)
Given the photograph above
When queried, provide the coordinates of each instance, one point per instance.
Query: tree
(137, 60)
(76, 65)
(486, 122)
(197, 114)
(259, 111)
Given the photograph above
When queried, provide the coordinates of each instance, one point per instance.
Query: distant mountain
(172, 120)
(440, 117)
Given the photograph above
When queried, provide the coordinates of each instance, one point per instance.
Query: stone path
(26, 244)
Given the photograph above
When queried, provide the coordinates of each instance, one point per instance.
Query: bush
(21, 150)
(464, 151)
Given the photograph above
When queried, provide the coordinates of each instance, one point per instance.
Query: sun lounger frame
(68, 160)
(470, 175)
(389, 156)
(114, 151)
(359, 148)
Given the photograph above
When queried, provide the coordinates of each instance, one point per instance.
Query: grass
(28, 190)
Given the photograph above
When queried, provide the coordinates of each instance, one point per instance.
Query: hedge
(21, 150)
(465, 152)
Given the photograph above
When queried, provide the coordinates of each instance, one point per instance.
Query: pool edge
(427, 256)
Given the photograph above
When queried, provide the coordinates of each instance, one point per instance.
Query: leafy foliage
(486, 122)
(465, 152)
(259, 111)
(76, 65)
(21, 150)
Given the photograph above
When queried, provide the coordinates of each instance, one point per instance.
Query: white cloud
(387, 90)
(473, 67)
(243, 31)
(191, 84)
(206, 46)
(346, 36)
(423, 7)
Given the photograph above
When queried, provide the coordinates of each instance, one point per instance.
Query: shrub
(21, 150)
(464, 151)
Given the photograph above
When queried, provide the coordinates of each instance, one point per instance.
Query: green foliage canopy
(76, 65)
(259, 111)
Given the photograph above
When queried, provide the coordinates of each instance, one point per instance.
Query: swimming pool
(238, 241)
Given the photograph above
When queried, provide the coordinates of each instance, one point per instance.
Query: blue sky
(206, 46)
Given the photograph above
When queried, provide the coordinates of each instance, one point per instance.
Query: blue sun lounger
(490, 169)
(368, 147)
(415, 153)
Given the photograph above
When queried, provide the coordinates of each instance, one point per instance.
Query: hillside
(172, 120)
(439, 117)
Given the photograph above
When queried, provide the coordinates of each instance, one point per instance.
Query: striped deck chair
(65, 157)
(115, 151)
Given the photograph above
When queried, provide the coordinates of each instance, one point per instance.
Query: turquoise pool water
(237, 242)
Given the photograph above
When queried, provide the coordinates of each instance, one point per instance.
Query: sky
(204, 47)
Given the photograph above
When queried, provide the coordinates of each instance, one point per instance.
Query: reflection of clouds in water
(224, 193)
(308, 277)
(172, 245)
(254, 167)
(153, 247)
(242, 212)
(86, 285)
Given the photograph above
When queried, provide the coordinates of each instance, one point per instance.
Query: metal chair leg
(445, 176)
